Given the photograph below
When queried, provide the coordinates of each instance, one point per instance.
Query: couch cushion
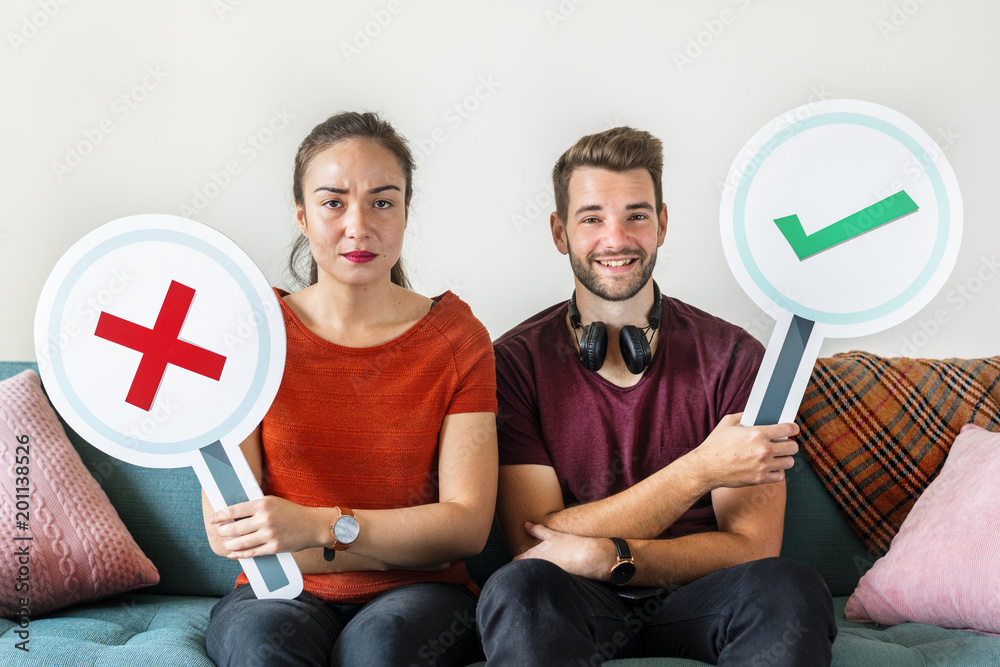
(909, 644)
(162, 510)
(132, 630)
(942, 566)
(877, 430)
(139, 630)
(71, 546)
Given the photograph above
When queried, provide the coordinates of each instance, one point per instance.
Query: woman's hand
(271, 525)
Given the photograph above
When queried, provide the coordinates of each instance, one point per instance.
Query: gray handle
(221, 469)
(779, 385)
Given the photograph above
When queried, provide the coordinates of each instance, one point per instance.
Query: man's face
(612, 230)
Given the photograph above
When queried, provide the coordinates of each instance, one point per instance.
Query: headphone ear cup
(594, 346)
(635, 349)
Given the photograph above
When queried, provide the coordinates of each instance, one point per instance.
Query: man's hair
(617, 149)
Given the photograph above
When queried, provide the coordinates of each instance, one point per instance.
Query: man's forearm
(750, 527)
(678, 561)
(643, 511)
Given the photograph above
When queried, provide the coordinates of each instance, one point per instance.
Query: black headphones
(632, 339)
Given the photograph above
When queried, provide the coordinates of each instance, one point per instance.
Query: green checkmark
(881, 212)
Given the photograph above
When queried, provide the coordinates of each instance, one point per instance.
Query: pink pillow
(943, 566)
(79, 549)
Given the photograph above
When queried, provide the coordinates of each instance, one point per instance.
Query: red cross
(160, 346)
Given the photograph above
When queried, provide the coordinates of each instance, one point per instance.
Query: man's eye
(589, 220)
(639, 216)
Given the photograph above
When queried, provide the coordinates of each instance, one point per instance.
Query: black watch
(623, 571)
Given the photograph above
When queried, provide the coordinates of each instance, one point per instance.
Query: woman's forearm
(455, 527)
(423, 535)
(409, 537)
(312, 561)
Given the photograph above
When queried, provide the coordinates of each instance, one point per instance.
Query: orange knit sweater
(359, 426)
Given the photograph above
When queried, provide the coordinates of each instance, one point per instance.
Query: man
(641, 444)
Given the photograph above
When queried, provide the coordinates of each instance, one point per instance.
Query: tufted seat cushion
(909, 644)
(857, 645)
(117, 632)
(122, 630)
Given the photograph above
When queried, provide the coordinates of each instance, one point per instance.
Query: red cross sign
(160, 346)
(160, 323)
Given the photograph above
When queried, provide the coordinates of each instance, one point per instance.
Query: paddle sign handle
(228, 481)
(784, 372)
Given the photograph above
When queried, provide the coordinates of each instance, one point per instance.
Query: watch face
(345, 529)
(622, 573)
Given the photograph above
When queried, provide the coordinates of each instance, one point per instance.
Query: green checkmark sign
(881, 212)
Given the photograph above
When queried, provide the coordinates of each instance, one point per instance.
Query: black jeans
(767, 612)
(419, 624)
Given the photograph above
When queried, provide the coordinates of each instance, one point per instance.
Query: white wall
(170, 92)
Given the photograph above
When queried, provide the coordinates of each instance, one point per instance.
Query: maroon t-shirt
(601, 438)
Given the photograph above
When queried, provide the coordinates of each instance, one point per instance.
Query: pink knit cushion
(943, 566)
(79, 549)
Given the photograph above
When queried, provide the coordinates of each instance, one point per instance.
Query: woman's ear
(300, 216)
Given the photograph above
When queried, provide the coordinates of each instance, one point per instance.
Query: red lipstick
(360, 256)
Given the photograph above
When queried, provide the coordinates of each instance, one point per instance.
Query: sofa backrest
(162, 510)
(818, 534)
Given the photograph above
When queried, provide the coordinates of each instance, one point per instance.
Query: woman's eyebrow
(342, 191)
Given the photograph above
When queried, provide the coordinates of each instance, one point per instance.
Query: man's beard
(612, 290)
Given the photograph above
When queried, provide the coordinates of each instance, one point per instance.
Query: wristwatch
(623, 570)
(344, 530)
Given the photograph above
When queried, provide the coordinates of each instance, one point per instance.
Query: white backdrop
(195, 108)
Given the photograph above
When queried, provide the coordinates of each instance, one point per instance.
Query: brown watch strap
(330, 552)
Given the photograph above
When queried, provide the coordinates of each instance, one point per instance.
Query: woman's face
(354, 211)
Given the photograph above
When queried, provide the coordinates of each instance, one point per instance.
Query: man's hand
(590, 557)
(734, 455)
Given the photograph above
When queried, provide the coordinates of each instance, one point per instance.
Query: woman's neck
(349, 306)
(356, 316)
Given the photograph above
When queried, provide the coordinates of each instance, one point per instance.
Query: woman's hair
(617, 149)
(342, 126)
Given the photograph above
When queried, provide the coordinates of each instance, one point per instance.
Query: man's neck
(615, 315)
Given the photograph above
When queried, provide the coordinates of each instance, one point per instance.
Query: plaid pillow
(877, 430)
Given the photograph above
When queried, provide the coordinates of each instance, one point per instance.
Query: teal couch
(165, 624)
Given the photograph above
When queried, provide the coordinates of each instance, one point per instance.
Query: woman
(378, 455)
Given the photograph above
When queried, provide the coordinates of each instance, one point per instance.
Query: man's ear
(661, 224)
(558, 228)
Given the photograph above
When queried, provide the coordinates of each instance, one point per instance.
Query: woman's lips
(360, 256)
